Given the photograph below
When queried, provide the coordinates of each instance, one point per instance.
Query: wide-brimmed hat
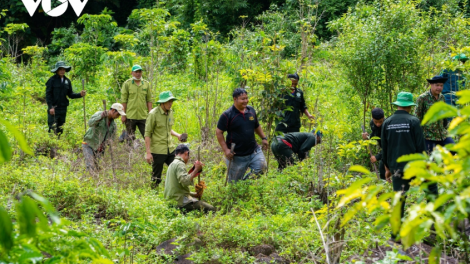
(165, 97)
(294, 76)
(437, 79)
(119, 107)
(61, 64)
(404, 99)
(460, 57)
(136, 68)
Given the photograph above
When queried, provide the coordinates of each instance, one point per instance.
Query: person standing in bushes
(241, 124)
(159, 146)
(376, 127)
(136, 97)
(177, 182)
(402, 135)
(294, 106)
(58, 88)
(436, 132)
(102, 128)
(284, 147)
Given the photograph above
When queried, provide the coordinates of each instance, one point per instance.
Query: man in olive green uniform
(101, 128)
(178, 181)
(436, 132)
(284, 147)
(401, 135)
(136, 97)
(158, 131)
(294, 106)
(58, 88)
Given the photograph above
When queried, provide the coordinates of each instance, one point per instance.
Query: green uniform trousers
(283, 154)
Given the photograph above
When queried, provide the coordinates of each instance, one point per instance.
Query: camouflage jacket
(436, 131)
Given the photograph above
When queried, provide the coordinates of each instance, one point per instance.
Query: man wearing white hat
(102, 128)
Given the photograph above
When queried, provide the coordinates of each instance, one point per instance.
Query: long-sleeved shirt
(301, 142)
(177, 183)
(98, 130)
(401, 135)
(57, 91)
(158, 129)
(436, 131)
(294, 106)
(136, 97)
(376, 132)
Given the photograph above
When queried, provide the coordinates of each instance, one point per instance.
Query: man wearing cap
(294, 106)
(284, 147)
(401, 135)
(241, 123)
(58, 88)
(102, 128)
(178, 180)
(434, 133)
(376, 127)
(136, 97)
(159, 146)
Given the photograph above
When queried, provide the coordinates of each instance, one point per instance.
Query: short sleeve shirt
(136, 97)
(240, 129)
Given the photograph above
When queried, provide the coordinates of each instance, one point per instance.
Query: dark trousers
(381, 170)
(199, 205)
(431, 144)
(282, 128)
(283, 154)
(57, 121)
(157, 165)
(131, 127)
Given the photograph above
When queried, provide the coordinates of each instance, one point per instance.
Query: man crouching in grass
(178, 181)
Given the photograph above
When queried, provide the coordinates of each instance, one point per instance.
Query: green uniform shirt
(136, 97)
(177, 183)
(436, 131)
(401, 135)
(301, 142)
(158, 129)
(98, 130)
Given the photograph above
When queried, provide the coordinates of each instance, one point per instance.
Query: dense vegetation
(327, 209)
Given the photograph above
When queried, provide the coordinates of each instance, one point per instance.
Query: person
(58, 88)
(158, 131)
(177, 182)
(376, 131)
(434, 133)
(137, 98)
(402, 135)
(241, 123)
(455, 81)
(284, 147)
(294, 106)
(102, 128)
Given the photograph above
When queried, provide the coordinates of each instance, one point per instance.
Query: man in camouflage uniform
(434, 133)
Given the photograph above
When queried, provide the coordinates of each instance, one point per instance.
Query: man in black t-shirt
(241, 124)
(376, 126)
(294, 106)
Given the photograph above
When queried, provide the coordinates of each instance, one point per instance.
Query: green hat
(404, 99)
(61, 64)
(136, 68)
(165, 97)
(460, 57)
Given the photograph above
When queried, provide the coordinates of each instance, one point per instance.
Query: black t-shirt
(291, 118)
(240, 129)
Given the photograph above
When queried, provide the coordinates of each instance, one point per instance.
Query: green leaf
(438, 111)
(412, 157)
(359, 168)
(6, 229)
(26, 216)
(435, 256)
(5, 148)
(19, 137)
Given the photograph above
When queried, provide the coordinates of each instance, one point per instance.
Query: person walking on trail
(178, 180)
(58, 88)
(101, 129)
(294, 106)
(300, 144)
(137, 98)
(434, 133)
(402, 135)
(376, 131)
(241, 124)
(159, 146)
